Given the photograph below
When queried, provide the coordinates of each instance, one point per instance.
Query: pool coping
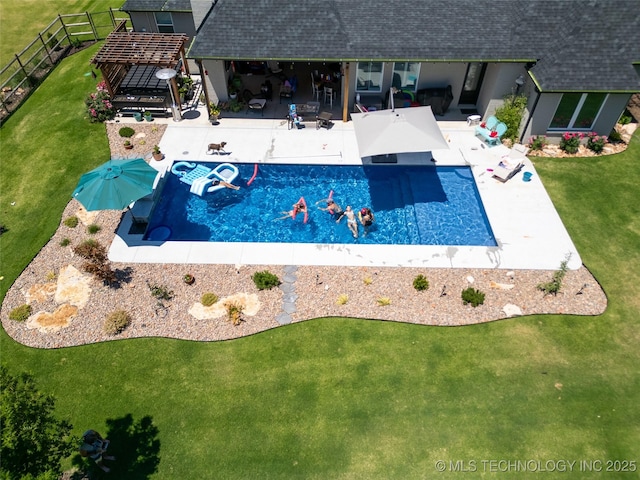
(526, 225)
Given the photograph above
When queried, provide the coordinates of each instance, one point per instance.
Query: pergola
(123, 50)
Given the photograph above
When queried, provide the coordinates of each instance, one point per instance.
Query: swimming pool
(413, 205)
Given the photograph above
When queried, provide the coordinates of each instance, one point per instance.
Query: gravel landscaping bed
(308, 292)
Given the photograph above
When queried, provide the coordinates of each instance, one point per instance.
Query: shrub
(101, 269)
(472, 296)
(367, 280)
(234, 313)
(595, 142)
(208, 299)
(65, 242)
(93, 228)
(160, 292)
(126, 132)
(510, 113)
(116, 322)
(383, 301)
(342, 299)
(265, 280)
(420, 283)
(538, 142)
(624, 118)
(615, 137)
(91, 250)
(99, 106)
(554, 286)
(570, 142)
(21, 313)
(71, 222)
(51, 276)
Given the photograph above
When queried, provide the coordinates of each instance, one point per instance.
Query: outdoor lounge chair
(488, 125)
(506, 171)
(494, 139)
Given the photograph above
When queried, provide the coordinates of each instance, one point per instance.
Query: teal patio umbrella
(115, 184)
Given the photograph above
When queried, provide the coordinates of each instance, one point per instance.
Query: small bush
(116, 322)
(420, 283)
(595, 142)
(570, 142)
(615, 137)
(554, 286)
(126, 132)
(51, 276)
(342, 299)
(65, 242)
(21, 313)
(161, 292)
(234, 313)
(510, 113)
(208, 299)
(624, 118)
(265, 280)
(367, 281)
(538, 142)
(383, 301)
(71, 222)
(91, 250)
(93, 229)
(472, 296)
(102, 270)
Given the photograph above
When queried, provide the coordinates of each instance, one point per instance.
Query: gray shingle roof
(586, 45)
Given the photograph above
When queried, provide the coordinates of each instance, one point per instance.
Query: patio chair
(254, 102)
(492, 137)
(505, 171)
(488, 125)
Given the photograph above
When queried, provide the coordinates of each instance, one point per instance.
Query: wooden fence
(20, 77)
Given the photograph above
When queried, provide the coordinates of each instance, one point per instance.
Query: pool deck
(528, 230)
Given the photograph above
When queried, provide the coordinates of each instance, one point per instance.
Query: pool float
(255, 172)
(306, 210)
(202, 178)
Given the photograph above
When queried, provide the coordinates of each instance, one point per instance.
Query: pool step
(413, 231)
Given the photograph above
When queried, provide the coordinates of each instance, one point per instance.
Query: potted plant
(189, 279)
(157, 154)
(147, 116)
(214, 113)
(128, 145)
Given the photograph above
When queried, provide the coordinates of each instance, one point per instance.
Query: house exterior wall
(146, 22)
(613, 106)
(216, 80)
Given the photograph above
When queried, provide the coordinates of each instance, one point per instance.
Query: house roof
(156, 6)
(588, 46)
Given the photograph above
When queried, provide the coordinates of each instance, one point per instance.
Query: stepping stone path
(288, 287)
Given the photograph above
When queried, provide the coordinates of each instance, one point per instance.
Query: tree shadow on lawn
(134, 444)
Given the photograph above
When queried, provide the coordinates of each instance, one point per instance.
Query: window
(369, 77)
(164, 22)
(577, 111)
(405, 75)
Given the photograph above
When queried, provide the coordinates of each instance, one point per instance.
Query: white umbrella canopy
(405, 130)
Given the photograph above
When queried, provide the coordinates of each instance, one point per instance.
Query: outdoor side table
(473, 120)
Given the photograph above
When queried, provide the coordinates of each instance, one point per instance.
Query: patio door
(472, 83)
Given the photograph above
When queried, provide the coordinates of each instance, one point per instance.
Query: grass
(23, 20)
(339, 398)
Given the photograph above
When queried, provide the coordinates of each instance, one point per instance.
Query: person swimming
(352, 223)
(298, 207)
(365, 215)
(334, 209)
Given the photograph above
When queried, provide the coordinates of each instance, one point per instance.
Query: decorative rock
(501, 286)
(289, 308)
(287, 287)
(248, 301)
(73, 287)
(283, 319)
(470, 279)
(511, 310)
(86, 218)
(290, 278)
(39, 292)
(50, 322)
(511, 274)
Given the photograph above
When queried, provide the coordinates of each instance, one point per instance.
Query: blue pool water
(413, 205)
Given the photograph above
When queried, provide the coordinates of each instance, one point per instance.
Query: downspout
(533, 109)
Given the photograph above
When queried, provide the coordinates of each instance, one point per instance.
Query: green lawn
(21, 21)
(340, 398)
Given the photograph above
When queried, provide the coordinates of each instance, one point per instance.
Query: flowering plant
(99, 106)
(538, 142)
(570, 142)
(596, 142)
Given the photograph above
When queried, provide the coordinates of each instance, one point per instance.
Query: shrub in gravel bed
(161, 292)
(420, 283)
(554, 286)
(126, 132)
(208, 299)
(116, 322)
(91, 250)
(472, 296)
(93, 229)
(21, 313)
(71, 222)
(342, 299)
(265, 280)
(65, 242)
(383, 301)
(234, 313)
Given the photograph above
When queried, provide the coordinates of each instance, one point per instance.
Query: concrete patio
(528, 230)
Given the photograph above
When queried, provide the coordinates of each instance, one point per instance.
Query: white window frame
(164, 27)
(406, 73)
(571, 125)
(369, 77)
